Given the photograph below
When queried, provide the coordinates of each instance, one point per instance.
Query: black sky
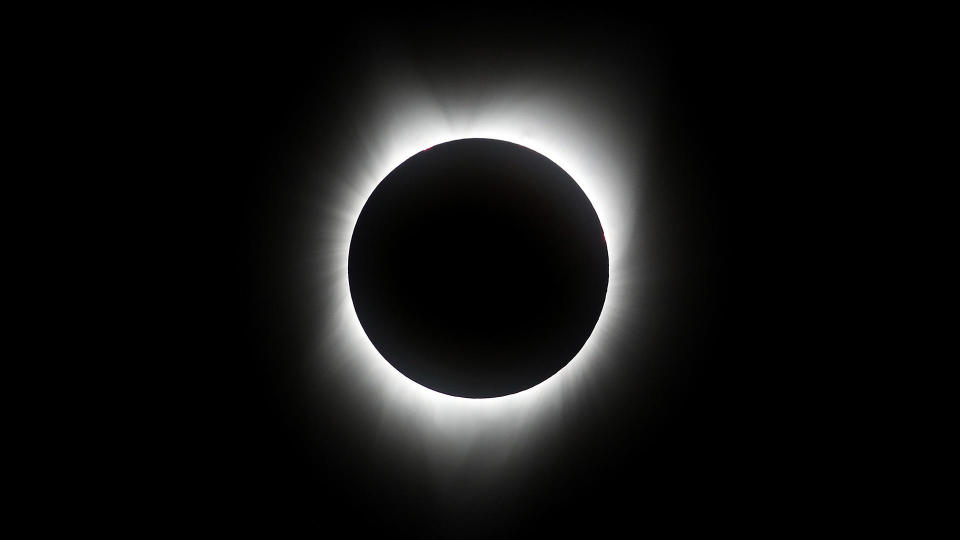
(700, 438)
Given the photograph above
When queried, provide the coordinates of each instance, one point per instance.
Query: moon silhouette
(478, 268)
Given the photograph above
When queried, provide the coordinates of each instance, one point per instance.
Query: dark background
(712, 438)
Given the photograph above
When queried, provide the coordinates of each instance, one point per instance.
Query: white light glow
(570, 127)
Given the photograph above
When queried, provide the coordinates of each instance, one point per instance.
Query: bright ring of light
(586, 143)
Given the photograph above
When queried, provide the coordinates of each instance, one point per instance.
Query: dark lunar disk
(478, 268)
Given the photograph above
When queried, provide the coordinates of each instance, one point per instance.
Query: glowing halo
(591, 144)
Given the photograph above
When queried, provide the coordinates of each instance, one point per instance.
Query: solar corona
(457, 332)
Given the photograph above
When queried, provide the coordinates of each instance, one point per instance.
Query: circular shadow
(478, 268)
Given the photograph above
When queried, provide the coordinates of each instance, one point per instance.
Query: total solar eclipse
(478, 268)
